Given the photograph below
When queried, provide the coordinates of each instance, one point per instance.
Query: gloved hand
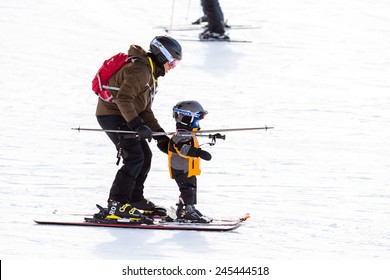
(203, 154)
(143, 131)
(162, 143)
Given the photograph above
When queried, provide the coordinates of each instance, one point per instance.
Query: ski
(186, 27)
(158, 212)
(169, 222)
(162, 225)
(211, 41)
(60, 214)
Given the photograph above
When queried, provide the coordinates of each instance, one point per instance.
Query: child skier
(183, 158)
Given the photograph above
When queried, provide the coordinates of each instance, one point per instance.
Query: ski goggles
(193, 118)
(173, 62)
(198, 115)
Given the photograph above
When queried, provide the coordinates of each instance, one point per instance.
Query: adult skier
(132, 110)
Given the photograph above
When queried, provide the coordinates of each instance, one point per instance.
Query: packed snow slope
(317, 185)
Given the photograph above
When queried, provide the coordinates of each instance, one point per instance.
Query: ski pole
(236, 129)
(104, 130)
(198, 133)
(173, 8)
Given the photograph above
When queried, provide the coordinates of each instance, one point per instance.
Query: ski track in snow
(317, 186)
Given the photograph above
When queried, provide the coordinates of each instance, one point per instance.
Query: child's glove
(162, 143)
(203, 154)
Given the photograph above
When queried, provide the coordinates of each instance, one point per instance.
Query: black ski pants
(187, 187)
(128, 185)
(213, 11)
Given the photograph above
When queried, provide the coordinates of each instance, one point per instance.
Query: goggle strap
(165, 52)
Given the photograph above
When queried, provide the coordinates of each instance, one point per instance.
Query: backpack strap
(151, 65)
(153, 90)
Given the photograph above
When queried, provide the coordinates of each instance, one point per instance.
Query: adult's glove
(143, 131)
(162, 143)
(203, 154)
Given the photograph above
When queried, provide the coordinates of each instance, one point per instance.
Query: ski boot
(189, 213)
(213, 36)
(149, 208)
(120, 212)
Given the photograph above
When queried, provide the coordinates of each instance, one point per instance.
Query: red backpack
(106, 71)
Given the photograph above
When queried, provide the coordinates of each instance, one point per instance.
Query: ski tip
(245, 217)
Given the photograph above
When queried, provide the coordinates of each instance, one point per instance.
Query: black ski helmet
(189, 113)
(165, 49)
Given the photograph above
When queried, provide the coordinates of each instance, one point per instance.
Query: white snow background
(317, 185)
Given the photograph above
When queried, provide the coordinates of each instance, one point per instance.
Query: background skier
(213, 14)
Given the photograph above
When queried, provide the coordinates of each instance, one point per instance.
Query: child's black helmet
(189, 113)
(165, 49)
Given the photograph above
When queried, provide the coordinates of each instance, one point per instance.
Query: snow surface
(317, 186)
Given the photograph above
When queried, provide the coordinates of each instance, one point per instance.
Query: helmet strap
(161, 59)
(154, 59)
(183, 126)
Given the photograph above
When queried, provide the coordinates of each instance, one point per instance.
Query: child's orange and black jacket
(182, 157)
